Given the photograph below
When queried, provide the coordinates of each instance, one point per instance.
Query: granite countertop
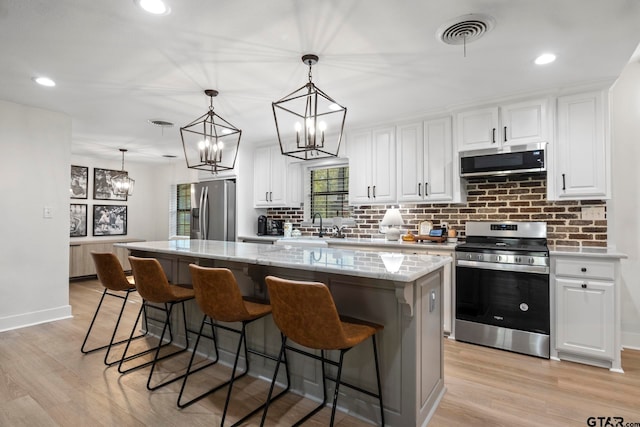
(382, 265)
(355, 242)
(607, 252)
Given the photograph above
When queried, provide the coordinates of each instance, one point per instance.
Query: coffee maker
(262, 225)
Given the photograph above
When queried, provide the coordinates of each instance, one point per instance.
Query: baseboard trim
(35, 318)
(631, 340)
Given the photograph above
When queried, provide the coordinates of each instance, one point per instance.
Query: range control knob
(531, 260)
(518, 260)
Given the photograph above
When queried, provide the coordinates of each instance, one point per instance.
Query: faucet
(313, 221)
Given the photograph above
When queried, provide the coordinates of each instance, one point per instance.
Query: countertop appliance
(270, 227)
(213, 210)
(507, 160)
(502, 287)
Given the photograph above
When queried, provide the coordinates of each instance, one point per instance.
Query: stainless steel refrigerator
(213, 210)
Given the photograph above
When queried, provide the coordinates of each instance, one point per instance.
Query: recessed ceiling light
(44, 81)
(156, 7)
(545, 58)
(169, 156)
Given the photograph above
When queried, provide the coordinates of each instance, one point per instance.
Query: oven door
(513, 297)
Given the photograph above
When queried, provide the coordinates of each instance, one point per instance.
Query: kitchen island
(401, 292)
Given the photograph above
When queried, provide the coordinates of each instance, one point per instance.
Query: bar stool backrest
(151, 282)
(217, 293)
(110, 272)
(306, 313)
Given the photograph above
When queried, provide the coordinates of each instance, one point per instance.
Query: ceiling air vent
(465, 29)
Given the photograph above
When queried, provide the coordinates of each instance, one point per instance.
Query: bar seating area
(314, 324)
(116, 285)
(160, 296)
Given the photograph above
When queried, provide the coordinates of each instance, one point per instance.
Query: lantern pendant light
(121, 184)
(310, 123)
(210, 142)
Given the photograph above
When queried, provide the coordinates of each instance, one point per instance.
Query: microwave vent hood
(508, 160)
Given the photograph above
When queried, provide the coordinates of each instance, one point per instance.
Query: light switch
(47, 212)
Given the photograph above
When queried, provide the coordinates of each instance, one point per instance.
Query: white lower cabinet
(586, 316)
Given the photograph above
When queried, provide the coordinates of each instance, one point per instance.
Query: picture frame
(102, 189)
(79, 182)
(77, 220)
(109, 220)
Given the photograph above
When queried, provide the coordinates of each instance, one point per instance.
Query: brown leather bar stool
(158, 295)
(219, 298)
(116, 284)
(306, 314)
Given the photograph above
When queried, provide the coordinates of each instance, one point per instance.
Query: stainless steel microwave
(504, 161)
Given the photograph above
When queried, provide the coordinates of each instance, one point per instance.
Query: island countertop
(385, 266)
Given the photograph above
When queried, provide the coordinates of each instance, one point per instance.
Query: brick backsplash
(514, 198)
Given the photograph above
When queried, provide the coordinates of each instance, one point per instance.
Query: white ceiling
(116, 66)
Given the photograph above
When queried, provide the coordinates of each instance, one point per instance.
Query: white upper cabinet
(275, 179)
(582, 151)
(372, 166)
(509, 124)
(426, 170)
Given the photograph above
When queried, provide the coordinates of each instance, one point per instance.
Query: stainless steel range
(502, 286)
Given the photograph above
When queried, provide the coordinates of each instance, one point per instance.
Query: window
(330, 192)
(183, 211)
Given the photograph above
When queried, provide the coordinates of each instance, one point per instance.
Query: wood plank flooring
(46, 381)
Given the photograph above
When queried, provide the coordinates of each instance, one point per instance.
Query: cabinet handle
(374, 191)
(266, 196)
(419, 189)
(368, 192)
(493, 136)
(271, 196)
(505, 134)
(584, 286)
(583, 269)
(426, 192)
(564, 187)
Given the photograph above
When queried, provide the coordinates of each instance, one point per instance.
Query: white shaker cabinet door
(582, 148)
(585, 317)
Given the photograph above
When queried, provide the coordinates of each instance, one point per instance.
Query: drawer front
(587, 268)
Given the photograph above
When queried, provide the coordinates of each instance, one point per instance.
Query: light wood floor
(46, 381)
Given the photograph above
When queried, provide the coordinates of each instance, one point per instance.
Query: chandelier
(210, 142)
(309, 122)
(121, 184)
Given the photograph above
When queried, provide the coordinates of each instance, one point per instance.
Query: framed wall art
(102, 189)
(109, 220)
(79, 181)
(78, 220)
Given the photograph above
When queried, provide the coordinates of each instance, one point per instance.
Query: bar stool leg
(193, 355)
(335, 392)
(375, 357)
(156, 358)
(275, 375)
(241, 341)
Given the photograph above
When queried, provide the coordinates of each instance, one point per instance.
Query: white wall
(34, 255)
(624, 207)
(147, 209)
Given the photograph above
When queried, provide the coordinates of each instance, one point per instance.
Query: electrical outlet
(593, 213)
(47, 212)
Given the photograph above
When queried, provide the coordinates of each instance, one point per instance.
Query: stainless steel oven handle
(537, 269)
